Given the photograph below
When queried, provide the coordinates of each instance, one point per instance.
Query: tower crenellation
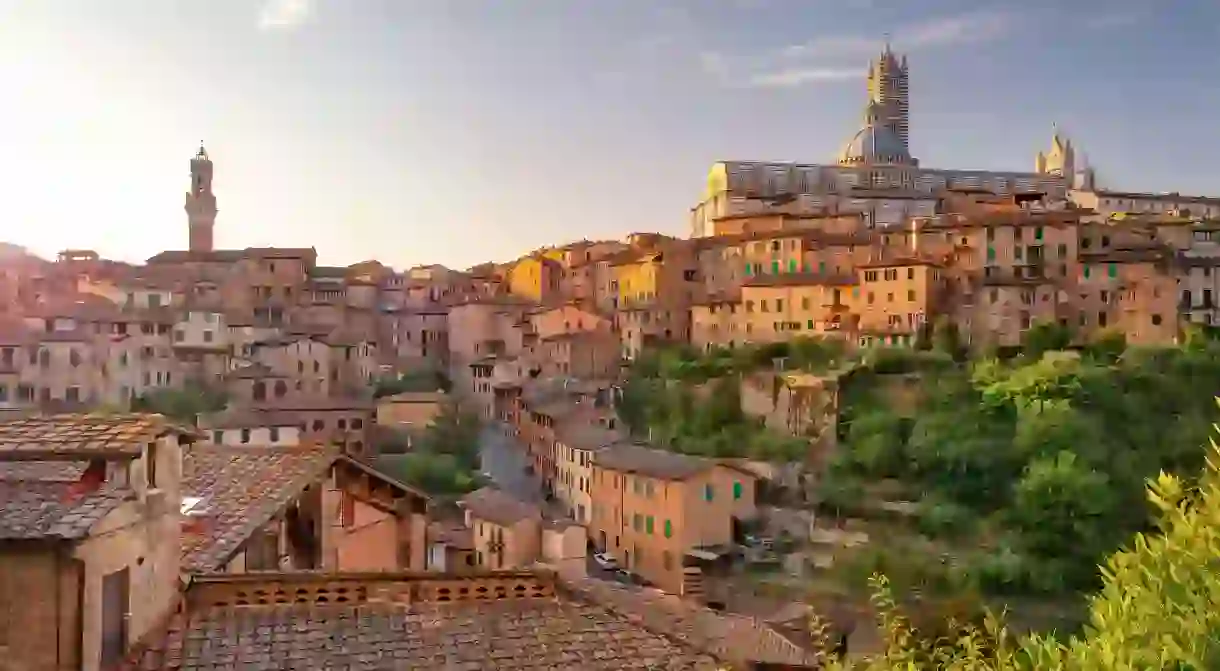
(201, 203)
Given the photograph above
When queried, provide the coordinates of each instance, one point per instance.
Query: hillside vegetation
(1024, 473)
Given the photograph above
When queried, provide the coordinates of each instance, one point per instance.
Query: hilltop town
(560, 460)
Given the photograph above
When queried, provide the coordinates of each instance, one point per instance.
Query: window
(1086, 272)
(150, 465)
(1038, 233)
(1112, 270)
(1156, 320)
(245, 436)
(648, 524)
(669, 529)
(822, 267)
(775, 267)
(709, 492)
(792, 266)
(72, 394)
(991, 253)
(737, 491)
(275, 434)
(218, 437)
(357, 424)
(637, 521)
(910, 295)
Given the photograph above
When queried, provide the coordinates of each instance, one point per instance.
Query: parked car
(604, 560)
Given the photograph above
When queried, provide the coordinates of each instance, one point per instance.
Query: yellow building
(536, 278)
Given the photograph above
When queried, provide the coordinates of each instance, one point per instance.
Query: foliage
(1043, 337)
(688, 405)
(1048, 454)
(437, 474)
(1156, 608)
(184, 404)
(445, 458)
(422, 381)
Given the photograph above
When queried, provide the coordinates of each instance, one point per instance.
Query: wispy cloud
(797, 77)
(284, 14)
(839, 57)
(1114, 20)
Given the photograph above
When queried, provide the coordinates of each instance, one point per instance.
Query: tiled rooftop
(730, 637)
(33, 510)
(651, 462)
(498, 507)
(509, 621)
(241, 488)
(81, 435)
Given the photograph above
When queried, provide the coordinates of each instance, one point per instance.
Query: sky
(461, 131)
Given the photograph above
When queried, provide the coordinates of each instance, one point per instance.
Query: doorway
(116, 601)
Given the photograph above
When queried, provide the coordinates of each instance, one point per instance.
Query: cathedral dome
(875, 144)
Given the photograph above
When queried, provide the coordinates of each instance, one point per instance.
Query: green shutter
(775, 267)
(991, 253)
(792, 265)
(669, 529)
(648, 524)
(811, 327)
(822, 267)
(1113, 270)
(749, 270)
(1086, 272)
(736, 491)
(1038, 233)
(708, 493)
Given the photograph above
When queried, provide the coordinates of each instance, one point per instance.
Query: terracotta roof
(498, 621)
(83, 435)
(899, 262)
(730, 637)
(36, 510)
(498, 507)
(800, 280)
(456, 536)
(241, 488)
(249, 418)
(42, 471)
(655, 463)
(417, 397)
(316, 403)
(308, 254)
(582, 434)
(254, 371)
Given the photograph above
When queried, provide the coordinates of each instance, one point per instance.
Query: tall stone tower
(888, 90)
(201, 203)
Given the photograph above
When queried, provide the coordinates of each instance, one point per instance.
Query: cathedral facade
(875, 174)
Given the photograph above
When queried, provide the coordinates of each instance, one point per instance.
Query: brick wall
(32, 635)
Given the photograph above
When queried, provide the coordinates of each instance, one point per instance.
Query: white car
(604, 560)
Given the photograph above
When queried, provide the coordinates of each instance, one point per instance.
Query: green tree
(1065, 512)
(1156, 609)
(454, 432)
(183, 404)
(946, 338)
(1043, 337)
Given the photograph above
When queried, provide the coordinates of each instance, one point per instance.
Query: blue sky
(457, 131)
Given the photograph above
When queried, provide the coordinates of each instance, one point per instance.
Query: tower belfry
(888, 91)
(200, 203)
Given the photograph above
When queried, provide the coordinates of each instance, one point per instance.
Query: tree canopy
(1158, 606)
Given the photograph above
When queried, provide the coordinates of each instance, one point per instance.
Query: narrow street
(505, 462)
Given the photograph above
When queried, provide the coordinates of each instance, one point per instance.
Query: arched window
(260, 391)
